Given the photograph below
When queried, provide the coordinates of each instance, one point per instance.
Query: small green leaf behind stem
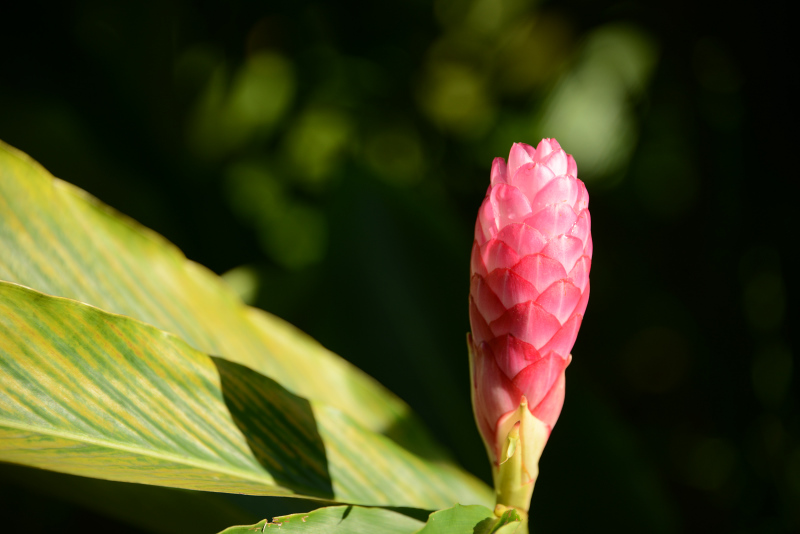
(474, 519)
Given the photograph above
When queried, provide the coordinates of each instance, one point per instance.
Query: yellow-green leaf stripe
(60, 240)
(86, 392)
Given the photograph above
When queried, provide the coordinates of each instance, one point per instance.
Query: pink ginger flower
(529, 288)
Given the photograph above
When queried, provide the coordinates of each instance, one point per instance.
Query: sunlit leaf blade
(336, 520)
(60, 240)
(473, 519)
(90, 393)
(358, 520)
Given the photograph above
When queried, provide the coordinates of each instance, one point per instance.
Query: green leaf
(510, 528)
(509, 523)
(359, 520)
(61, 241)
(341, 519)
(90, 393)
(472, 519)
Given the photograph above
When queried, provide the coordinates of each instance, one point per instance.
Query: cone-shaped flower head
(529, 287)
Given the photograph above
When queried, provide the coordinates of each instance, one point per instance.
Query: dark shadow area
(485, 526)
(414, 513)
(346, 513)
(81, 504)
(44, 501)
(411, 434)
(279, 427)
(599, 449)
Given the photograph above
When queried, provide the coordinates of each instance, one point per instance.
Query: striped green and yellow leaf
(59, 240)
(336, 520)
(86, 392)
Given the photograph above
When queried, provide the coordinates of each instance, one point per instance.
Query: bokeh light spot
(481, 17)
(316, 143)
(292, 233)
(298, 239)
(228, 114)
(455, 98)
(591, 108)
(244, 281)
(530, 53)
(261, 90)
(395, 155)
(253, 192)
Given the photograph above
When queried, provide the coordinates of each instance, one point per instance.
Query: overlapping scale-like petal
(511, 288)
(582, 227)
(497, 255)
(550, 406)
(540, 270)
(582, 202)
(522, 238)
(531, 178)
(486, 302)
(499, 171)
(572, 167)
(553, 220)
(579, 275)
(512, 354)
(510, 204)
(521, 154)
(480, 328)
(476, 265)
(494, 390)
(565, 249)
(560, 300)
(556, 161)
(529, 289)
(486, 225)
(561, 343)
(545, 148)
(529, 322)
(561, 189)
(536, 379)
(580, 309)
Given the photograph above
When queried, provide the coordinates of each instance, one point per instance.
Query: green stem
(517, 467)
(512, 484)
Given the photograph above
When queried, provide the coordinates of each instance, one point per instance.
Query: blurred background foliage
(328, 159)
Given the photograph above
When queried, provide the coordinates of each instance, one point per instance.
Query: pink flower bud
(529, 286)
